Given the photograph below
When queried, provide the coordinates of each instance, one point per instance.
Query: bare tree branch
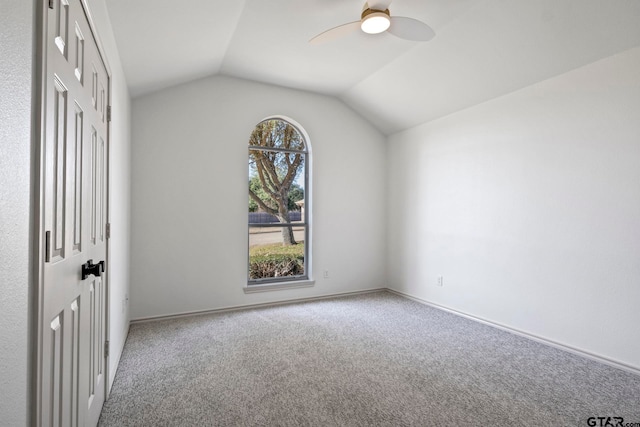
(262, 204)
(276, 170)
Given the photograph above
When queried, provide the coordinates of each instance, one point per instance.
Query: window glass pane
(277, 134)
(269, 258)
(277, 197)
(276, 186)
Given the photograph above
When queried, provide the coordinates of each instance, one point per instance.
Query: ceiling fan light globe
(375, 23)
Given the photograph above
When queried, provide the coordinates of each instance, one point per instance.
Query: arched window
(278, 202)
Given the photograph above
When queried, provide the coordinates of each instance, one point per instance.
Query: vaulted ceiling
(482, 49)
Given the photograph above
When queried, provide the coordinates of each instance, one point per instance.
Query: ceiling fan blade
(410, 29)
(335, 32)
(379, 4)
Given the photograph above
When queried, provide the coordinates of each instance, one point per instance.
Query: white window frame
(306, 280)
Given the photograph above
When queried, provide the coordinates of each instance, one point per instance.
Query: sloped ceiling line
(483, 48)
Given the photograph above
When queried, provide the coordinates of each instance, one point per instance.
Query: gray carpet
(375, 359)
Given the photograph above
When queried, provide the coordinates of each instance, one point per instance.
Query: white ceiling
(482, 49)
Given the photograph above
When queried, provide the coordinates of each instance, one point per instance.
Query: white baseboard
(542, 340)
(252, 306)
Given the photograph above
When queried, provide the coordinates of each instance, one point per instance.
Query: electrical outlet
(440, 281)
(325, 274)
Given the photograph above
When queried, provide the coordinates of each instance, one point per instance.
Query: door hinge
(50, 4)
(107, 230)
(106, 349)
(108, 113)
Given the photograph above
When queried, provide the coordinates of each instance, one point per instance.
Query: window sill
(250, 289)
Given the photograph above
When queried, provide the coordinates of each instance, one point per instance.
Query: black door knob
(90, 268)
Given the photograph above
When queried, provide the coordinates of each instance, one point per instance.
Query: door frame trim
(36, 259)
(37, 245)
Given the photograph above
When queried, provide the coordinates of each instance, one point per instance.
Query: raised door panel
(74, 355)
(76, 171)
(55, 167)
(61, 23)
(79, 54)
(56, 371)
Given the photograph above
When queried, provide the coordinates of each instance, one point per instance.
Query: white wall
(16, 51)
(529, 206)
(119, 189)
(189, 207)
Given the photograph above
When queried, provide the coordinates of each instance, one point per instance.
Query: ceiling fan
(376, 19)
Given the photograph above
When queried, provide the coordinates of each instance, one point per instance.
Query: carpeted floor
(368, 360)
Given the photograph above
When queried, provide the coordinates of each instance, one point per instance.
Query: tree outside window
(278, 225)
